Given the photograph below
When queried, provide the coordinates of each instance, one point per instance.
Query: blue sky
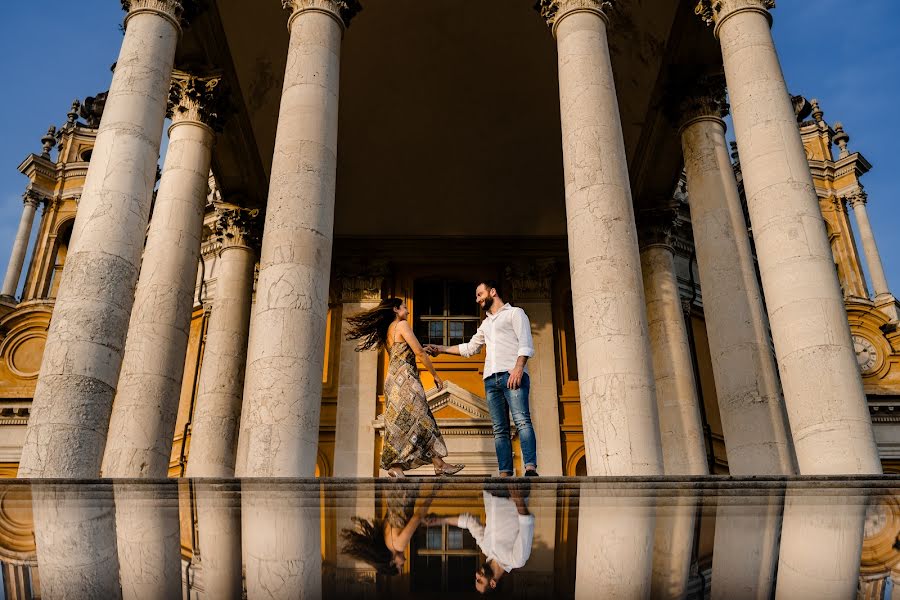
(846, 54)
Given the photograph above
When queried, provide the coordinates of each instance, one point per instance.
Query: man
(505, 539)
(507, 334)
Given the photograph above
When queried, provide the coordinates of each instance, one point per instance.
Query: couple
(411, 435)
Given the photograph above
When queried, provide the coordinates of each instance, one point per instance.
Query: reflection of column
(745, 548)
(214, 432)
(615, 372)
(354, 436)
(283, 388)
(673, 544)
(821, 542)
(281, 531)
(531, 292)
(219, 539)
(615, 545)
(823, 390)
(870, 248)
(75, 537)
(148, 540)
(352, 578)
(681, 432)
(20, 246)
(72, 401)
(757, 438)
(139, 443)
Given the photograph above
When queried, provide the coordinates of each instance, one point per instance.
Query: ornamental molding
(532, 280)
(360, 281)
(342, 11)
(552, 11)
(714, 12)
(237, 227)
(177, 12)
(197, 99)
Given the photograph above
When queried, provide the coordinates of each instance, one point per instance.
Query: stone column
(531, 291)
(823, 391)
(757, 437)
(283, 390)
(20, 246)
(867, 236)
(615, 372)
(141, 428)
(681, 431)
(354, 436)
(219, 537)
(73, 399)
(217, 414)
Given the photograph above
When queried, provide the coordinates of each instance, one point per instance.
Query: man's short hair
(491, 284)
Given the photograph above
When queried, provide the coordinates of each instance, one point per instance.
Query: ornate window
(444, 559)
(445, 311)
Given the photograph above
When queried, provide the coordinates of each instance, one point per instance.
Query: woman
(411, 435)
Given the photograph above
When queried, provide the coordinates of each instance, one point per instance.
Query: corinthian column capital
(199, 99)
(175, 11)
(553, 11)
(237, 227)
(699, 98)
(857, 198)
(341, 10)
(32, 198)
(656, 227)
(714, 12)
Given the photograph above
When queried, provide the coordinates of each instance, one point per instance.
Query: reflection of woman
(411, 435)
(383, 542)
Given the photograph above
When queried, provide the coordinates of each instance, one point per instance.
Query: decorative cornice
(699, 98)
(656, 228)
(342, 11)
(360, 281)
(553, 11)
(171, 10)
(715, 12)
(198, 99)
(531, 280)
(237, 227)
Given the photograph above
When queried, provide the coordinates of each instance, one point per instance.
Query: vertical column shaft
(757, 437)
(20, 247)
(283, 389)
(870, 248)
(823, 391)
(72, 403)
(141, 427)
(217, 414)
(615, 373)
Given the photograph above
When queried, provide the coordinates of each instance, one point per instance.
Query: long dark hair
(365, 542)
(371, 326)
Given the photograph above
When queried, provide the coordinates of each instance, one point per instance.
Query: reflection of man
(504, 539)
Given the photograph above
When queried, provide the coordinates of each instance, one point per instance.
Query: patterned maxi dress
(411, 435)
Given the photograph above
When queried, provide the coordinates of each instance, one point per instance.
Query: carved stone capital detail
(32, 198)
(702, 97)
(237, 227)
(857, 198)
(359, 281)
(552, 11)
(656, 227)
(175, 11)
(531, 280)
(196, 98)
(341, 10)
(714, 12)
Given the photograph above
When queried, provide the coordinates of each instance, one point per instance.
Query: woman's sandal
(396, 473)
(449, 469)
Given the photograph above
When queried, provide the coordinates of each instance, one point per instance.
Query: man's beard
(488, 304)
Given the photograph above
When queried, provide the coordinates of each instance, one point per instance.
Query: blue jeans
(501, 402)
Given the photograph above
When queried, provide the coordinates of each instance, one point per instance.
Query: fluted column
(757, 436)
(870, 248)
(20, 246)
(283, 389)
(823, 391)
(531, 291)
(217, 414)
(615, 372)
(141, 428)
(73, 399)
(354, 436)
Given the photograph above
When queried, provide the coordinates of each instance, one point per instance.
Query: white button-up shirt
(506, 536)
(507, 335)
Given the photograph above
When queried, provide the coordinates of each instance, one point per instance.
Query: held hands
(433, 349)
(515, 378)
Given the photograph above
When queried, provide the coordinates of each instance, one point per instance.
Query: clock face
(866, 354)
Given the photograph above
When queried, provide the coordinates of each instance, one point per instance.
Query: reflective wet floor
(452, 538)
